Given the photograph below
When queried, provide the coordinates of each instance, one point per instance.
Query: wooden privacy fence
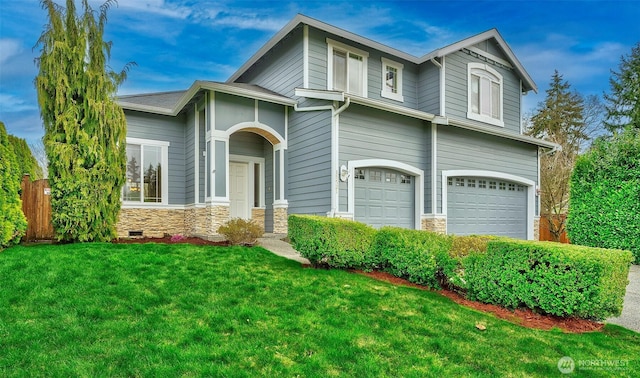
(36, 206)
(545, 234)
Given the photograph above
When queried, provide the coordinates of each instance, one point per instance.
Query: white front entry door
(239, 190)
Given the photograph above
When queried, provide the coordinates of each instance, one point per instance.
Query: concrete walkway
(630, 317)
(274, 243)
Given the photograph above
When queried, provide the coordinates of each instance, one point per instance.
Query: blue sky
(175, 42)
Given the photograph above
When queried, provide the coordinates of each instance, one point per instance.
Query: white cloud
(10, 48)
(13, 104)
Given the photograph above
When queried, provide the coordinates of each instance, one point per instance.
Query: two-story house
(324, 121)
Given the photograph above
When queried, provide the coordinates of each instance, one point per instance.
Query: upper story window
(485, 94)
(347, 69)
(392, 80)
(146, 174)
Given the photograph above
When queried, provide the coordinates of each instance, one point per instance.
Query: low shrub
(452, 272)
(412, 254)
(240, 231)
(333, 242)
(558, 279)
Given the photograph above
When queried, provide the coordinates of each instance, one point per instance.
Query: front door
(239, 190)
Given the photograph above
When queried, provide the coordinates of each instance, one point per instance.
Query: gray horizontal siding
(373, 134)
(308, 163)
(464, 149)
(429, 88)
(457, 90)
(317, 59)
(190, 165)
(281, 69)
(246, 144)
(169, 129)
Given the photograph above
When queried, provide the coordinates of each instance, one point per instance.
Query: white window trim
(331, 45)
(164, 145)
(384, 92)
(480, 117)
(530, 184)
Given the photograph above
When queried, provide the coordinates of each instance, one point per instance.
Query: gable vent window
(347, 71)
(392, 80)
(485, 94)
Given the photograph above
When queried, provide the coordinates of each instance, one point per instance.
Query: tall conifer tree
(85, 130)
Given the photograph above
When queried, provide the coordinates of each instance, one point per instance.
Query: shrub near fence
(333, 242)
(558, 279)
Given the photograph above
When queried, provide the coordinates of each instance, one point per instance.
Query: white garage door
(384, 197)
(478, 205)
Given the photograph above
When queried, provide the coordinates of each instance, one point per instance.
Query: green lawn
(181, 310)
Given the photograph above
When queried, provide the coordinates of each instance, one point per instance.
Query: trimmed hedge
(412, 254)
(558, 279)
(605, 195)
(13, 224)
(333, 242)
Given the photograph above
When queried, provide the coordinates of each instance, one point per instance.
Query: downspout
(335, 154)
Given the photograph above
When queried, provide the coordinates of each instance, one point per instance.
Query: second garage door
(485, 206)
(384, 197)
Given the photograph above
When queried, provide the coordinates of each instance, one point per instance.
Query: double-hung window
(146, 171)
(392, 80)
(347, 69)
(485, 94)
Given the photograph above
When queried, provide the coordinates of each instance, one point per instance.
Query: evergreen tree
(85, 130)
(12, 221)
(558, 119)
(27, 163)
(623, 103)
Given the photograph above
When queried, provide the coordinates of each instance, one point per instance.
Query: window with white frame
(347, 69)
(485, 94)
(392, 80)
(146, 172)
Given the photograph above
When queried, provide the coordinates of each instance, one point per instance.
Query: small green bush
(558, 279)
(333, 242)
(412, 254)
(240, 231)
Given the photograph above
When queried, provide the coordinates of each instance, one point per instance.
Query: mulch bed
(524, 317)
(167, 240)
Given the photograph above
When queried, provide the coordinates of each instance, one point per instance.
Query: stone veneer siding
(152, 222)
(438, 225)
(280, 221)
(536, 228)
(258, 215)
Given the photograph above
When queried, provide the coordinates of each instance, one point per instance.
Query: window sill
(392, 96)
(485, 119)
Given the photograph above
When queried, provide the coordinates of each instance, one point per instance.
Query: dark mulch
(524, 317)
(167, 240)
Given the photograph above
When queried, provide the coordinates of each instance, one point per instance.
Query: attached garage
(384, 197)
(487, 206)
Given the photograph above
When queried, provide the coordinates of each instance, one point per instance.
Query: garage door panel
(486, 206)
(382, 199)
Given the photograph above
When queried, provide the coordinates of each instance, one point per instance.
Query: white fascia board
(144, 108)
(468, 42)
(377, 104)
(503, 134)
(319, 94)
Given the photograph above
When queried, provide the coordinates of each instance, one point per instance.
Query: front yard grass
(183, 310)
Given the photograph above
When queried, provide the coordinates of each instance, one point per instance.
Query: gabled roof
(528, 83)
(171, 103)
